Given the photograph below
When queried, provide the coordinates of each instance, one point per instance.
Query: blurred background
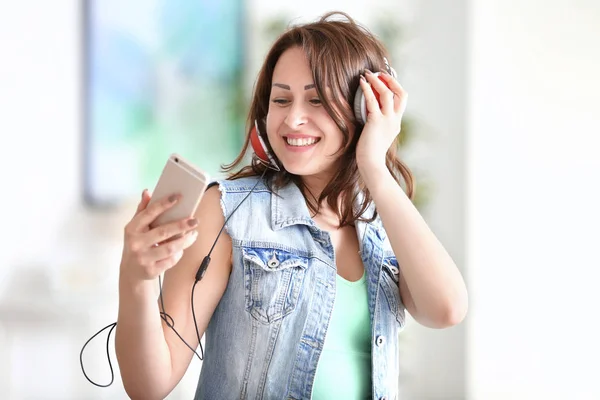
(502, 130)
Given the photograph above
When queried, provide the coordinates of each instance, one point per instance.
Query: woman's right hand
(149, 252)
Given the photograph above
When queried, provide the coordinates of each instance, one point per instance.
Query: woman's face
(302, 134)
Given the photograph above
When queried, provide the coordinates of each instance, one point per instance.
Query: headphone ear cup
(360, 106)
(260, 148)
(257, 145)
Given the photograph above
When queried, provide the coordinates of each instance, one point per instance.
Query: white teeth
(301, 142)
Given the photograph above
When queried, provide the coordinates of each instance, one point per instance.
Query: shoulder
(241, 185)
(236, 198)
(210, 205)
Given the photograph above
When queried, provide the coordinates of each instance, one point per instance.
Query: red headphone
(258, 140)
(261, 150)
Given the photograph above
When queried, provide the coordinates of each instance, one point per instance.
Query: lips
(304, 141)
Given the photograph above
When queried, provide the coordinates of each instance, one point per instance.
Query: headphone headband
(389, 68)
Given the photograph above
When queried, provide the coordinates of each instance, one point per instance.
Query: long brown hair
(338, 52)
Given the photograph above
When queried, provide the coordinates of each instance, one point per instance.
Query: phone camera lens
(176, 159)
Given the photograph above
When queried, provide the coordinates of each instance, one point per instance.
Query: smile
(301, 142)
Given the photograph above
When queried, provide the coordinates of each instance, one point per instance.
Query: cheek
(272, 126)
(273, 116)
(268, 125)
(334, 133)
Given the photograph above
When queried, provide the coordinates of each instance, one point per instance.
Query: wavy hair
(338, 51)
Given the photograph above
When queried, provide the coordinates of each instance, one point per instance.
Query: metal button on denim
(273, 262)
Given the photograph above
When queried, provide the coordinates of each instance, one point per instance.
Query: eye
(280, 101)
(315, 102)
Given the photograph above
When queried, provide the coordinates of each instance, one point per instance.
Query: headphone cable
(163, 314)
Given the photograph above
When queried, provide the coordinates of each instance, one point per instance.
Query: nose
(296, 116)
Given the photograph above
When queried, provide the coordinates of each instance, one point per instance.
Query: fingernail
(192, 222)
(368, 72)
(362, 78)
(172, 198)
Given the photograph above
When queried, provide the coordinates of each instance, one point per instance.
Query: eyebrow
(287, 87)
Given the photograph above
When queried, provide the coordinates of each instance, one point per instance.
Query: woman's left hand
(383, 123)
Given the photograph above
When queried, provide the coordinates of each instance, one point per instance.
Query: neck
(315, 184)
(326, 218)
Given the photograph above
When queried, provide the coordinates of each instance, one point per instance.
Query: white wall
(39, 120)
(435, 79)
(39, 160)
(534, 199)
(47, 241)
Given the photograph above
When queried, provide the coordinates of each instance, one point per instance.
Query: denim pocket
(273, 282)
(390, 277)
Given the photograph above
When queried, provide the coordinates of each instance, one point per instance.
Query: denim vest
(267, 332)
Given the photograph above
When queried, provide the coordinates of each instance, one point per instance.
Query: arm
(431, 286)
(152, 359)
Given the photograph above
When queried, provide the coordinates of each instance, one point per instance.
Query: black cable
(166, 317)
(112, 374)
(171, 323)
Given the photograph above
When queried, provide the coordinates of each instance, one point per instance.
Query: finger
(168, 232)
(152, 211)
(386, 96)
(168, 263)
(171, 248)
(400, 95)
(174, 255)
(370, 99)
(143, 202)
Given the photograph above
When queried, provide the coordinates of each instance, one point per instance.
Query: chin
(300, 170)
(307, 169)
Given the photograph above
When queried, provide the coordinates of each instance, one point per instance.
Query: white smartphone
(179, 176)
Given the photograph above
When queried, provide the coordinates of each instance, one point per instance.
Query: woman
(322, 250)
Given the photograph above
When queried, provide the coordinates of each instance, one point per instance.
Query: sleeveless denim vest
(267, 332)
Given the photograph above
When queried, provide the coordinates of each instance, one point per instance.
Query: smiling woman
(315, 251)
